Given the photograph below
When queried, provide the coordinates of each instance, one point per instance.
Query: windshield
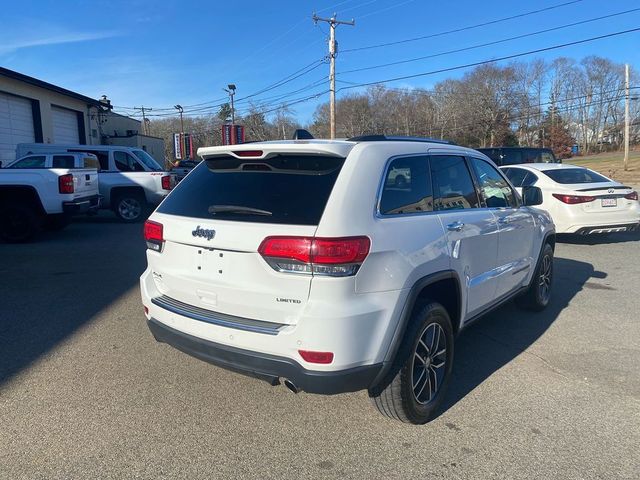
(575, 175)
(148, 160)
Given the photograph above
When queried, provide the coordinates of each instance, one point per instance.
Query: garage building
(32, 110)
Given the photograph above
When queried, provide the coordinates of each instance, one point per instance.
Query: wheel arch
(22, 193)
(443, 287)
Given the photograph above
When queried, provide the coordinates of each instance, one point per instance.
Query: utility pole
(333, 51)
(232, 91)
(182, 144)
(627, 99)
(145, 126)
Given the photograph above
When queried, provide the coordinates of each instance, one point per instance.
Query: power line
(497, 59)
(462, 29)
(495, 42)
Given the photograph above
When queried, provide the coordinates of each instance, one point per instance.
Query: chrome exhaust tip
(290, 385)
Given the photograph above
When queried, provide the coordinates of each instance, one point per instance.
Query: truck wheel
(423, 368)
(55, 223)
(130, 207)
(18, 223)
(537, 296)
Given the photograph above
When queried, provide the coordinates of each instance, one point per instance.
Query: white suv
(306, 262)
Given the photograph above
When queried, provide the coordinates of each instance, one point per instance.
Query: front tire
(422, 368)
(538, 295)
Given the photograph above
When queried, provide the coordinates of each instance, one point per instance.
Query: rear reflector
(323, 256)
(65, 183)
(631, 196)
(166, 182)
(573, 199)
(154, 235)
(248, 153)
(316, 357)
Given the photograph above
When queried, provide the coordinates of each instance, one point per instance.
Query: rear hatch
(216, 219)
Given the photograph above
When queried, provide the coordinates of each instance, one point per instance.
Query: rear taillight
(65, 183)
(573, 199)
(338, 257)
(316, 357)
(631, 196)
(166, 182)
(153, 235)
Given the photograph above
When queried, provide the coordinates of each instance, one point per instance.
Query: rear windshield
(575, 175)
(284, 189)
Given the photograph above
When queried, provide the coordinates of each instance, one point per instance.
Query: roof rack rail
(397, 138)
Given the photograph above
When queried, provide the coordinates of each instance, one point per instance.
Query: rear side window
(63, 161)
(283, 189)
(453, 188)
(407, 187)
(547, 157)
(511, 157)
(575, 175)
(36, 161)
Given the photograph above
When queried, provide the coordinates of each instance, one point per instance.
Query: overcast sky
(159, 53)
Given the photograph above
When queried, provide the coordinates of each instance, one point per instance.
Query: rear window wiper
(215, 209)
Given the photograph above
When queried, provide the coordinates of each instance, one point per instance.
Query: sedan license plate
(609, 202)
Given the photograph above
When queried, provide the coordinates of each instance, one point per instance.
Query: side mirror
(531, 196)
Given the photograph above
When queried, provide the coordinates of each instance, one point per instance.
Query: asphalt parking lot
(85, 391)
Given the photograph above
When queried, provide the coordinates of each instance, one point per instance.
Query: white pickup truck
(33, 196)
(131, 181)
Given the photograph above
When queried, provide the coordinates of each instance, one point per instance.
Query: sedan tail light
(153, 235)
(573, 199)
(65, 183)
(631, 196)
(338, 257)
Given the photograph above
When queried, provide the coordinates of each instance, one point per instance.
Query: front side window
(407, 187)
(126, 163)
(547, 157)
(453, 187)
(496, 191)
(36, 161)
(515, 175)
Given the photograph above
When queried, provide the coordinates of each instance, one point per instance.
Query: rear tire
(19, 223)
(422, 368)
(130, 207)
(538, 295)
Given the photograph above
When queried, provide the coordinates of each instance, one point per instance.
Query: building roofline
(48, 86)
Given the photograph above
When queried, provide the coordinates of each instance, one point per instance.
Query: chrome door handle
(455, 226)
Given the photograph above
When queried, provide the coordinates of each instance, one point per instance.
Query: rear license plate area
(209, 262)
(609, 202)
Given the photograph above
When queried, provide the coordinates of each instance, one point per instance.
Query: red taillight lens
(323, 256)
(316, 357)
(65, 183)
(166, 182)
(153, 234)
(248, 153)
(631, 196)
(573, 199)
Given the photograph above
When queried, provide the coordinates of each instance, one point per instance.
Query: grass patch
(612, 166)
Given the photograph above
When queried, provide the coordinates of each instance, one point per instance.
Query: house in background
(32, 110)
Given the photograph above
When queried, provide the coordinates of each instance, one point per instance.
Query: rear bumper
(595, 229)
(264, 366)
(82, 205)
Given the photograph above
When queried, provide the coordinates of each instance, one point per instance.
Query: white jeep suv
(307, 262)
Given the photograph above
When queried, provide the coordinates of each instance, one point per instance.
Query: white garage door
(65, 125)
(16, 125)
